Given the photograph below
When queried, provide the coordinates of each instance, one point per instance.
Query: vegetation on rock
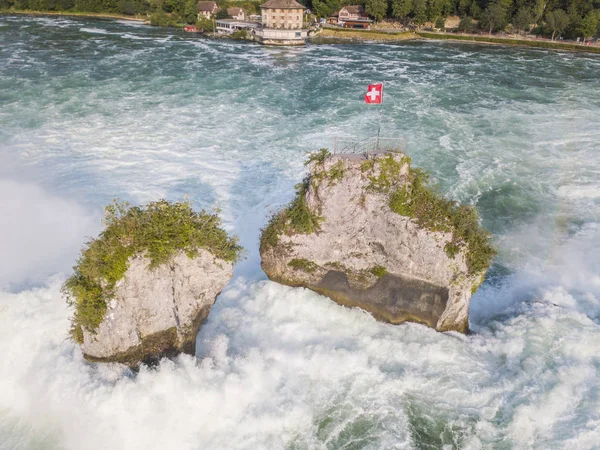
(318, 157)
(434, 212)
(378, 271)
(158, 230)
(303, 264)
(297, 216)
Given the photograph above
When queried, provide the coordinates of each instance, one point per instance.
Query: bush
(206, 25)
(440, 23)
(297, 216)
(304, 265)
(466, 25)
(159, 230)
(162, 19)
(239, 35)
(378, 271)
(417, 200)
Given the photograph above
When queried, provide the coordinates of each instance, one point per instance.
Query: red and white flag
(374, 93)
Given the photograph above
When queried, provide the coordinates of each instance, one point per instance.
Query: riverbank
(333, 35)
(138, 18)
(340, 35)
(537, 43)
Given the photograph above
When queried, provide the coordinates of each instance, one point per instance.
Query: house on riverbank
(207, 10)
(282, 23)
(236, 13)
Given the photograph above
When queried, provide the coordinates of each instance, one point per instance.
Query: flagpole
(380, 110)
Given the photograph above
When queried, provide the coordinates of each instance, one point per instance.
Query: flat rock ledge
(157, 312)
(366, 255)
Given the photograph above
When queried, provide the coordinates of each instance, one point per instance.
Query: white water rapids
(92, 110)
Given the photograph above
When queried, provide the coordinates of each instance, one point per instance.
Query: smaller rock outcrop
(368, 232)
(141, 290)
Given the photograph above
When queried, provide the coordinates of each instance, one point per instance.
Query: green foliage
(378, 271)
(557, 21)
(293, 219)
(191, 11)
(520, 42)
(388, 175)
(522, 20)
(336, 173)
(376, 9)
(325, 8)
(432, 211)
(205, 24)
(466, 24)
(239, 35)
(303, 264)
(162, 19)
(420, 11)
(494, 17)
(249, 6)
(492, 14)
(589, 25)
(318, 157)
(401, 8)
(159, 230)
(440, 23)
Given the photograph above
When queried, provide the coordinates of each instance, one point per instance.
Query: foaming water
(91, 110)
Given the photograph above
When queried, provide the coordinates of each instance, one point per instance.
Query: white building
(236, 13)
(207, 10)
(228, 26)
(282, 23)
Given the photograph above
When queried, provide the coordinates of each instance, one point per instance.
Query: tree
(325, 8)
(557, 21)
(191, 11)
(376, 9)
(221, 14)
(494, 17)
(464, 7)
(401, 8)
(440, 23)
(434, 9)
(589, 25)
(420, 11)
(466, 24)
(522, 20)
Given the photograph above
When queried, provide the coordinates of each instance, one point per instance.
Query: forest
(550, 18)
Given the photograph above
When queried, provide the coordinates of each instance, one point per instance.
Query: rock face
(364, 254)
(157, 312)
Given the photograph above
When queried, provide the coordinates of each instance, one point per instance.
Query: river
(91, 110)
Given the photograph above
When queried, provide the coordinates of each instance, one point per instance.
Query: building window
(298, 34)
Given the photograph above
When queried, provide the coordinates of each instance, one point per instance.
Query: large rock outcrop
(142, 288)
(366, 232)
(157, 312)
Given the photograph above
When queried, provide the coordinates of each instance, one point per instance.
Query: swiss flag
(374, 93)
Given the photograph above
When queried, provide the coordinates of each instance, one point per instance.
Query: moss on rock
(159, 230)
(303, 264)
(416, 199)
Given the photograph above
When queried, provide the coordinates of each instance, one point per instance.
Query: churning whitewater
(91, 110)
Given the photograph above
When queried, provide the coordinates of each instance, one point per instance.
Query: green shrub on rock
(432, 211)
(158, 230)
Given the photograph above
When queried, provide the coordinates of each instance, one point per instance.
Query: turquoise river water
(91, 110)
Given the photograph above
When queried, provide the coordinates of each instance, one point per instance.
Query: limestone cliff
(157, 312)
(367, 232)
